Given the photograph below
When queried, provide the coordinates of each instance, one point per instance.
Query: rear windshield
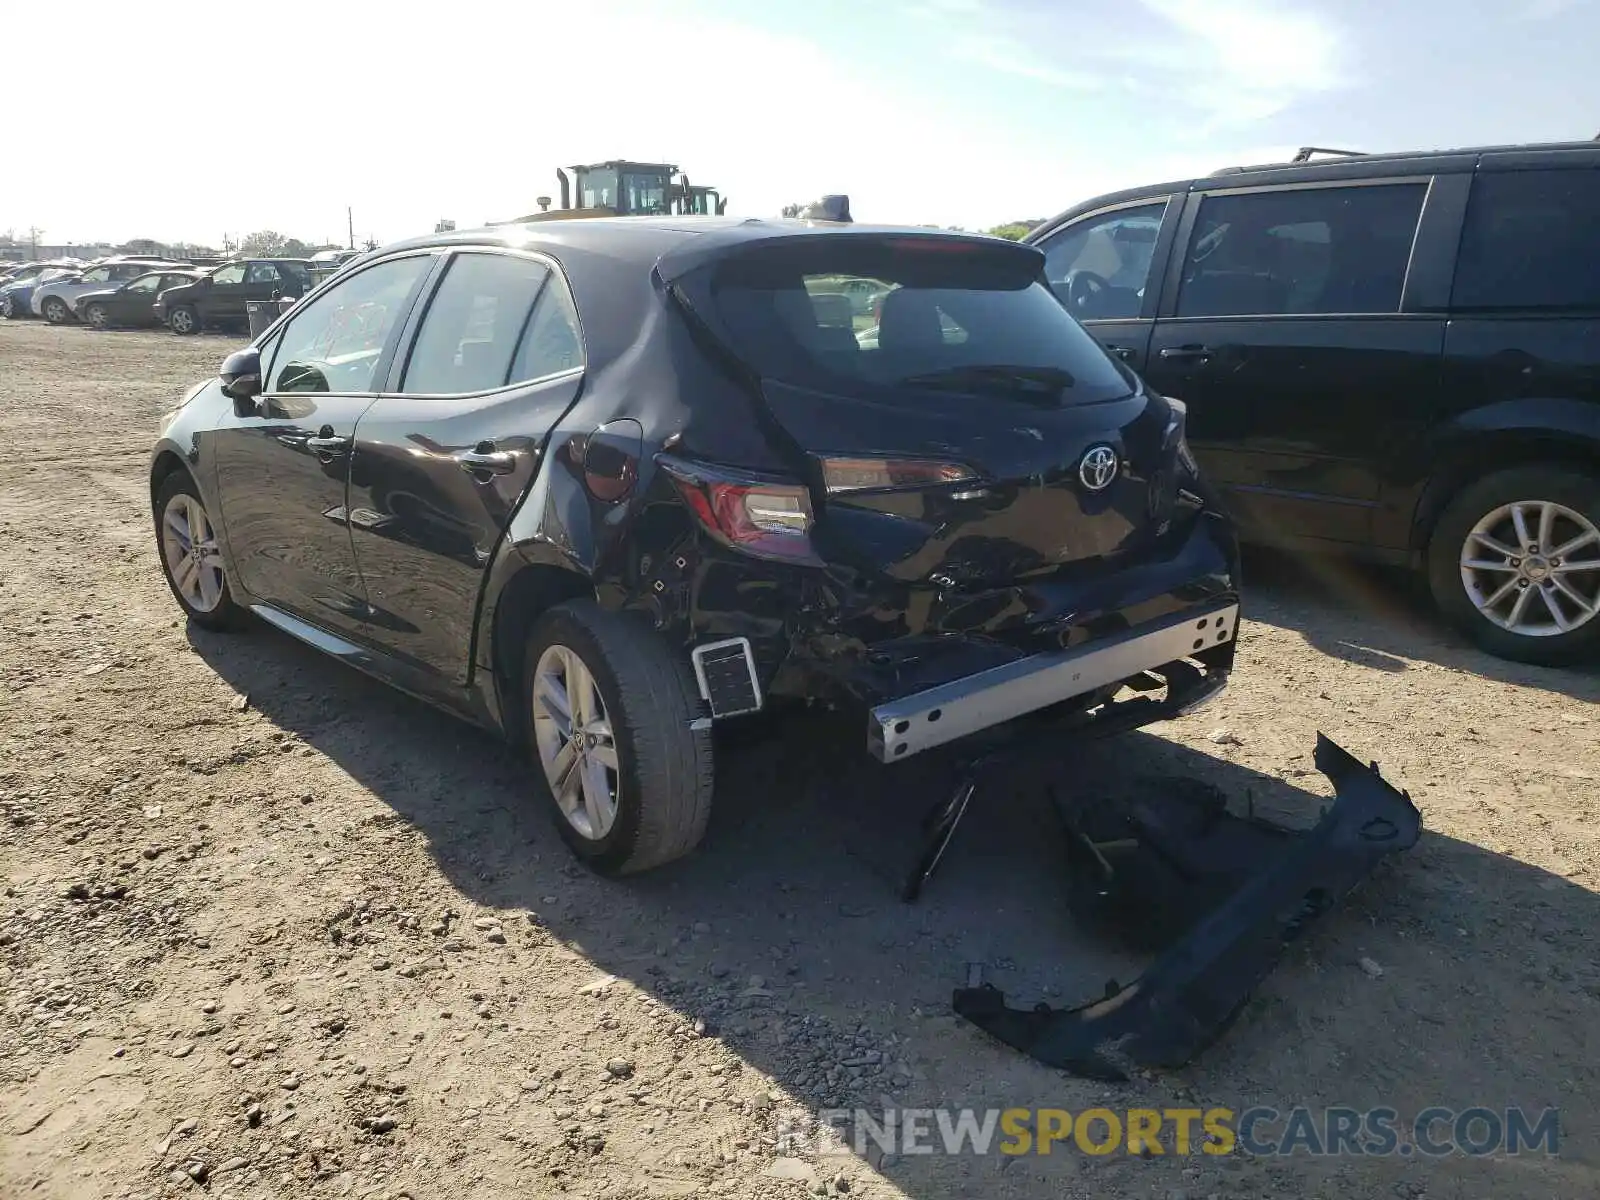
(903, 314)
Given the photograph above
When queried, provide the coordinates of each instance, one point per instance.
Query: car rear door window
(1100, 266)
(334, 343)
(1532, 241)
(232, 273)
(1301, 251)
(474, 323)
(950, 315)
(552, 342)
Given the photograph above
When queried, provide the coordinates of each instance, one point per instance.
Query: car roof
(646, 239)
(675, 244)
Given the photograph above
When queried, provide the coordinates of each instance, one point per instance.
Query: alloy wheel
(97, 316)
(577, 747)
(189, 547)
(182, 320)
(1532, 568)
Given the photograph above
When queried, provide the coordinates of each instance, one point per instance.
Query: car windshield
(901, 313)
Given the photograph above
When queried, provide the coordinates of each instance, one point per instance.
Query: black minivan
(1395, 355)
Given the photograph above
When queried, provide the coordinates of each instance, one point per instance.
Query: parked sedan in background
(16, 297)
(57, 300)
(134, 303)
(219, 299)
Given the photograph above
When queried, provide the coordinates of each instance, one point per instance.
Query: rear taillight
(842, 475)
(769, 518)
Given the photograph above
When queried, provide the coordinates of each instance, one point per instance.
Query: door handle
(484, 459)
(1194, 353)
(327, 442)
(1125, 353)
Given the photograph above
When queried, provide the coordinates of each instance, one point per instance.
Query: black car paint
(136, 309)
(1353, 432)
(589, 511)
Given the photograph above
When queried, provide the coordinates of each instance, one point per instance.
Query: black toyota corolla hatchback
(597, 484)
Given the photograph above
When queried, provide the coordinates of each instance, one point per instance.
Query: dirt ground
(272, 930)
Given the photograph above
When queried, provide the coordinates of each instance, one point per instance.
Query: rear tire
(1516, 598)
(198, 581)
(55, 310)
(184, 320)
(638, 779)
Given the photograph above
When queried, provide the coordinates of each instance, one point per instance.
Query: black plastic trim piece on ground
(1194, 989)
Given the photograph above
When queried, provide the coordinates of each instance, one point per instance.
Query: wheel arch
(528, 590)
(167, 463)
(1486, 451)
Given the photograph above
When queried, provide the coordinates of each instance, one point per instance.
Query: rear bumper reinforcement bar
(900, 728)
(1277, 881)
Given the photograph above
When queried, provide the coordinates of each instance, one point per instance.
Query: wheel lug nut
(1516, 562)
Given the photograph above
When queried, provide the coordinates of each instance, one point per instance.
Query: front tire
(96, 317)
(184, 320)
(55, 311)
(609, 711)
(191, 559)
(1514, 562)
(8, 308)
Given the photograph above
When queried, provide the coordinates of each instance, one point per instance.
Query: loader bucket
(1234, 891)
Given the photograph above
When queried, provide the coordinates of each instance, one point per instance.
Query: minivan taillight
(759, 515)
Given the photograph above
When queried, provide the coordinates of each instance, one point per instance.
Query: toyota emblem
(1098, 468)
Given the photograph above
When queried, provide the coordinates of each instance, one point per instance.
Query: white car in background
(57, 300)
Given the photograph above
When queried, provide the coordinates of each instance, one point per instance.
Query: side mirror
(241, 374)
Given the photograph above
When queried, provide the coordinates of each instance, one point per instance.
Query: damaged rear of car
(981, 512)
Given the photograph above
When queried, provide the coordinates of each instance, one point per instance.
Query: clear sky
(185, 122)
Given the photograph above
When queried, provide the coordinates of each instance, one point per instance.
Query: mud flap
(1235, 890)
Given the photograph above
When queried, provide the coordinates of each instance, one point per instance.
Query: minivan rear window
(901, 314)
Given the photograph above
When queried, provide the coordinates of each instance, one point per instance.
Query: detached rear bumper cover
(1193, 990)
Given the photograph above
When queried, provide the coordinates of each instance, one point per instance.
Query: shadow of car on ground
(784, 934)
(1381, 617)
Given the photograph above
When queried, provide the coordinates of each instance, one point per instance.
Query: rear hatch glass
(883, 314)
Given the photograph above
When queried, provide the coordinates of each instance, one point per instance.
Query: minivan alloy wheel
(577, 748)
(189, 545)
(1532, 567)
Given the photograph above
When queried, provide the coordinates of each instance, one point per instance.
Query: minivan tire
(1577, 492)
(662, 747)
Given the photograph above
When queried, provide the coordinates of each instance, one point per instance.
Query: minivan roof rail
(1305, 153)
(1302, 155)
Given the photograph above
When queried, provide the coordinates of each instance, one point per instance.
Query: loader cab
(619, 188)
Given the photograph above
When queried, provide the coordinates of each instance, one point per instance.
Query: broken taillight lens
(768, 518)
(841, 475)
